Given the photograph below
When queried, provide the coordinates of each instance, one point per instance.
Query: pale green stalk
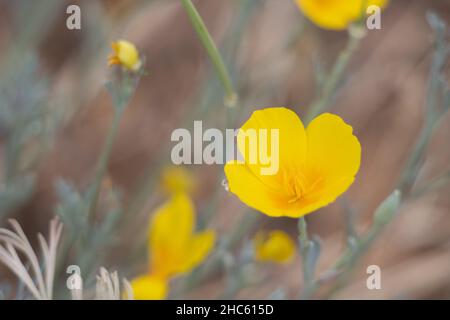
(436, 183)
(436, 106)
(328, 90)
(383, 215)
(213, 52)
(305, 247)
(104, 160)
(121, 92)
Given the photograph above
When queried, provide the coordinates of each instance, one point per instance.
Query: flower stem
(305, 247)
(330, 85)
(103, 161)
(414, 162)
(434, 184)
(213, 52)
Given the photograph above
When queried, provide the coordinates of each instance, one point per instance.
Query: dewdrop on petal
(225, 185)
(126, 55)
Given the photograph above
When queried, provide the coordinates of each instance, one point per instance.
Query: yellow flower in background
(174, 246)
(336, 14)
(125, 54)
(275, 246)
(316, 164)
(150, 287)
(176, 179)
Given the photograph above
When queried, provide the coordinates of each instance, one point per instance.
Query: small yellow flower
(150, 287)
(336, 14)
(125, 54)
(275, 246)
(176, 179)
(316, 165)
(174, 247)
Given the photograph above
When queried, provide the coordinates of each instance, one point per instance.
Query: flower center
(298, 185)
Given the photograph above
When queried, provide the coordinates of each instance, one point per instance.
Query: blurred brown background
(273, 57)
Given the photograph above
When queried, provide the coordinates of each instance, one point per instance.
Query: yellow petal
(149, 288)
(170, 230)
(199, 247)
(275, 246)
(289, 148)
(380, 3)
(174, 247)
(251, 190)
(126, 54)
(333, 150)
(334, 157)
(335, 14)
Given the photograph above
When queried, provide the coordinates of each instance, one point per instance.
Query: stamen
(297, 185)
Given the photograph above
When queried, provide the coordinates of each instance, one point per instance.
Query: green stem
(104, 160)
(414, 162)
(305, 246)
(343, 268)
(213, 52)
(346, 264)
(434, 112)
(329, 88)
(434, 184)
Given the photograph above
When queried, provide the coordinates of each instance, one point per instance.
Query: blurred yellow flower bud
(125, 54)
(176, 179)
(275, 246)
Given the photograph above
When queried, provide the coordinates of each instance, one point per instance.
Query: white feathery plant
(108, 287)
(40, 284)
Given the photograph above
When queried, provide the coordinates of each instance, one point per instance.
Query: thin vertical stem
(329, 88)
(305, 247)
(104, 160)
(213, 52)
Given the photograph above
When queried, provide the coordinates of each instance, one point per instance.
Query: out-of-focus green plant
(437, 102)
(27, 124)
(86, 242)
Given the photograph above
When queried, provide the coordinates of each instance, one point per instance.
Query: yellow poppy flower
(149, 287)
(336, 14)
(275, 246)
(176, 179)
(125, 54)
(174, 247)
(316, 165)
